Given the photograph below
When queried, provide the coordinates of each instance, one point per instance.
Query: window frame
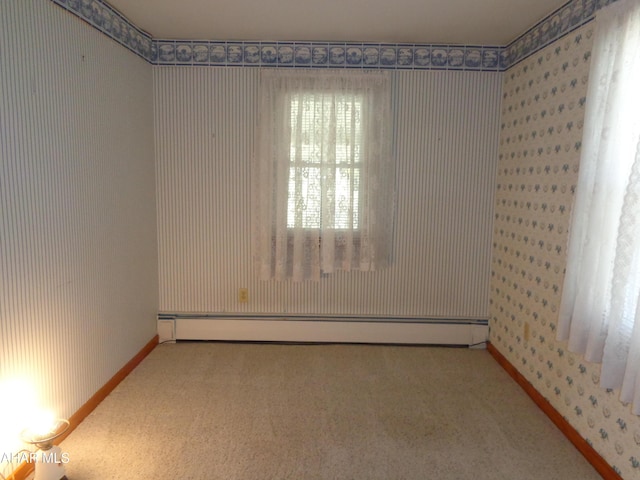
(284, 253)
(355, 164)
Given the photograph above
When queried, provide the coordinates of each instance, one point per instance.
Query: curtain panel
(323, 175)
(600, 308)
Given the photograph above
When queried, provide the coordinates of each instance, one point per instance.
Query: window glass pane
(304, 204)
(348, 129)
(347, 194)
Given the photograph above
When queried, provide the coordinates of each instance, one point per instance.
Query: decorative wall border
(325, 54)
(112, 23)
(564, 20)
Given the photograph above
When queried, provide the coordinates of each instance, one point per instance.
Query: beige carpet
(252, 411)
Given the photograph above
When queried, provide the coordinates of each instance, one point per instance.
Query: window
(326, 147)
(323, 173)
(600, 309)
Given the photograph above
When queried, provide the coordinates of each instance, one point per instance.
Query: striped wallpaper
(447, 127)
(78, 256)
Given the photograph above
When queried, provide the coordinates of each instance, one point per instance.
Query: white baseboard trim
(469, 333)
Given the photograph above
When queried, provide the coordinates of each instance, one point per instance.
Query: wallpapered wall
(447, 126)
(78, 256)
(541, 133)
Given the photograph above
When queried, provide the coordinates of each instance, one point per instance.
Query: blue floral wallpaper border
(554, 26)
(109, 21)
(305, 54)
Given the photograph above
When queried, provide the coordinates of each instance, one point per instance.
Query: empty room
(313, 240)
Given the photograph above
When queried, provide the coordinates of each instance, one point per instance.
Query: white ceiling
(468, 22)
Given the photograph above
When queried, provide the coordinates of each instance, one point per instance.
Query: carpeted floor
(262, 411)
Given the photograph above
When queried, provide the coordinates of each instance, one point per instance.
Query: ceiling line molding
(102, 16)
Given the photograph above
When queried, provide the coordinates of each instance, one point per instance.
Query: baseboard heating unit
(325, 329)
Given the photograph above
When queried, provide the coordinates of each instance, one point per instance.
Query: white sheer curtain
(323, 173)
(600, 309)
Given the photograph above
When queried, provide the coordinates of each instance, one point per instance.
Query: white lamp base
(50, 464)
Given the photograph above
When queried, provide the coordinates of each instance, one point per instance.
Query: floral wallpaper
(541, 133)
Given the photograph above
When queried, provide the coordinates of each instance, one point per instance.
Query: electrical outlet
(527, 333)
(243, 295)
